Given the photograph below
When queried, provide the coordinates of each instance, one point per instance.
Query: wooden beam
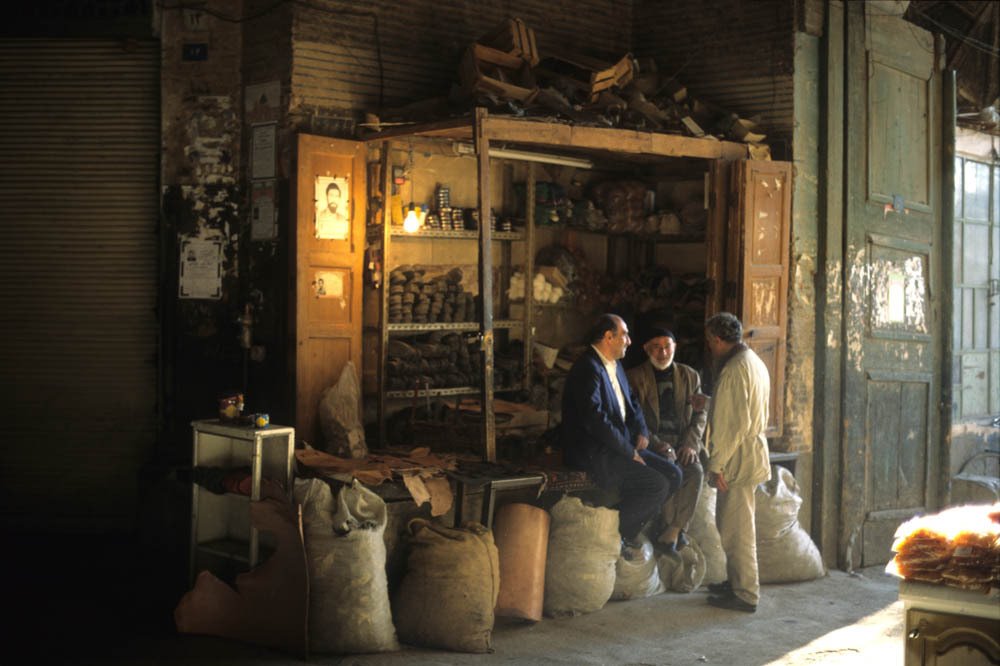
(617, 140)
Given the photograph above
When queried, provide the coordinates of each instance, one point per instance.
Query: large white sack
(584, 546)
(703, 530)
(785, 553)
(340, 416)
(637, 578)
(349, 609)
(685, 573)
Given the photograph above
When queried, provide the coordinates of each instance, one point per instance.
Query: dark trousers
(642, 488)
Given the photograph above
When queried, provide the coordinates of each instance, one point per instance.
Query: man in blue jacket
(604, 433)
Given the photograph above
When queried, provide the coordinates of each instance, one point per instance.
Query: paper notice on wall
(201, 269)
(262, 154)
(262, 220)
(330, 284)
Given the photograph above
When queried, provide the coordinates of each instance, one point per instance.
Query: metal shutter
(79, 165)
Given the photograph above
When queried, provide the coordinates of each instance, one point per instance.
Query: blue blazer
(592, 429)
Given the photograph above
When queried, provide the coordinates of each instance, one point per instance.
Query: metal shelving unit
(396, 232)
(222, 536)
(484, 326)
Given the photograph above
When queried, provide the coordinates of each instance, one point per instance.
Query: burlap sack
(584, 546)
(448, 593)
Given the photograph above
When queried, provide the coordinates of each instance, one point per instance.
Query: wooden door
(328, 249)
(759, 255)
(890, 449)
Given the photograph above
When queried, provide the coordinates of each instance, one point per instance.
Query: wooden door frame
(298, 284)
(832, 455)
(828, 427)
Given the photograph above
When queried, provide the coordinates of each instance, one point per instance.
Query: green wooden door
(892, 270)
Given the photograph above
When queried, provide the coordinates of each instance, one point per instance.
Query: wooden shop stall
(519, 231)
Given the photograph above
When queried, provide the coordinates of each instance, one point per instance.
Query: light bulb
(411, 223)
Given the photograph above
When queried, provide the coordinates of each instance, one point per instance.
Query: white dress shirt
(611, 367)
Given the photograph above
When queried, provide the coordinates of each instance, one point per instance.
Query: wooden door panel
(328, 253)
(900, 112)
(897, 442)
(764, 302)
(892, 332)
(764, 219)
(767, 350)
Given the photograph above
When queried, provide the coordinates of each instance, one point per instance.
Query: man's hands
(718, 481)
(686, 455)
(698, 401)
(664, 449)
(641, 442)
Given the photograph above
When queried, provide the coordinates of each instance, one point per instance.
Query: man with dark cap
(603, 432)
(737, 421)
(664, 390)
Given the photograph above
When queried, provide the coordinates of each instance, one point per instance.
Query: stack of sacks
(959, 547)
(542, 290)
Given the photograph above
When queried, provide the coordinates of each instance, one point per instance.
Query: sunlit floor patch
(874, 639)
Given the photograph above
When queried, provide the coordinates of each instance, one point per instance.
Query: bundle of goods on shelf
(958, 547)
(437, 360)
(542, 290)
(586, 215)
(552, 205)
(446, 217)
(417, 298)
(625, 204)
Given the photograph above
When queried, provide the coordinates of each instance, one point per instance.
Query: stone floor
(842, 619)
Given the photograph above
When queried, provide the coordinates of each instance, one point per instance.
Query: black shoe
(732, 603)
(725, 588)
(668, 549)
(631, 550)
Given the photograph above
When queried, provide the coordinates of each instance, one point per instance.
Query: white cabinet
(222, 539)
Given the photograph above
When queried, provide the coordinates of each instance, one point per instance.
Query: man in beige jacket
(664, 389)
(739, 459)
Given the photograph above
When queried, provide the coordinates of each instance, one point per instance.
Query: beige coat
(686, 383)
(738, 417)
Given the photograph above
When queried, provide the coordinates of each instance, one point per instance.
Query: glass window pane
(982, 310)
(956, 319)
(976, 259)
(996, 194)
(958, 188)
(996, 252)
(957, 250)
(995, 384)
(977, 191)
(975, 385)
(967, 319)
(994, 324)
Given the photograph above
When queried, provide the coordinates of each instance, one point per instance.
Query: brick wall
(335, 54)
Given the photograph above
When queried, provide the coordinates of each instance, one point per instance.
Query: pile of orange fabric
(959, 547)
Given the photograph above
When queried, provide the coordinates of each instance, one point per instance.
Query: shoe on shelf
(723, 588)
(732, 603)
